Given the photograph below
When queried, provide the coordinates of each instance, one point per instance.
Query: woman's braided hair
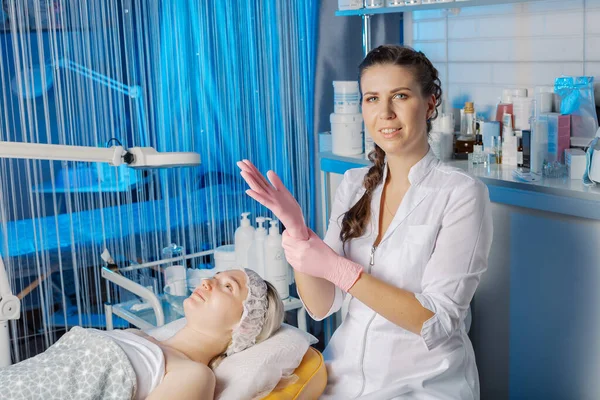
(426, 75)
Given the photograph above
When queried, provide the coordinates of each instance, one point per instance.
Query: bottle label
(520, 158)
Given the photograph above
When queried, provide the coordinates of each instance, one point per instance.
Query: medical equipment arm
(136, 157)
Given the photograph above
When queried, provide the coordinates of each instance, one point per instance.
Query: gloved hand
(313, 257)
(275, 197)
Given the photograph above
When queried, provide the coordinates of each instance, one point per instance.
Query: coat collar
(413, 197)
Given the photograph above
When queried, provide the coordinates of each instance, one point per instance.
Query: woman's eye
(400, 96)
(229, 286)
(370, 99)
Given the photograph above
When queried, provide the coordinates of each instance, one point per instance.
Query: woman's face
(216, 305)
(394, 110)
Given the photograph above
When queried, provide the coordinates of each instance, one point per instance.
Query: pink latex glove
(313, 257)
(275, 197)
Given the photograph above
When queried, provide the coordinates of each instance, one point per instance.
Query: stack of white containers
(522, 111)
(441, 137)
(346, 120)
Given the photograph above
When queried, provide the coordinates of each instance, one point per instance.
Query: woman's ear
(431, 103)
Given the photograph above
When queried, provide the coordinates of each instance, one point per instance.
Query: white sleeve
(343, 201)
(460, 257)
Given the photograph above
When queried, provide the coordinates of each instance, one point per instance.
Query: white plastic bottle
(244, 236)
(257, 250)
(276, 266)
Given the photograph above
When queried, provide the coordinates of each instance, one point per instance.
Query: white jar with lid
(346, 134)
(225, 258)
(346, 97)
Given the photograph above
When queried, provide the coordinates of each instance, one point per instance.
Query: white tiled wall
(481, 50)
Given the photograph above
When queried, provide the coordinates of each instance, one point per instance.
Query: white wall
(480, 50)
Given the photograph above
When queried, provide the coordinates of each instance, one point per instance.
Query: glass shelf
(145, 317)
(432, 6)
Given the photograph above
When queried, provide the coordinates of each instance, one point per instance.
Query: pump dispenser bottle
(257, 250)
(276, 266)
(244, 236)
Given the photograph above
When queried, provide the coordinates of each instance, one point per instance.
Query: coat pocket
(419, 244)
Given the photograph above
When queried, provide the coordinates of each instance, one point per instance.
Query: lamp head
(34, 82)
(149, 158)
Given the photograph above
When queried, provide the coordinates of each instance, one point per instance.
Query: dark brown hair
(356, 219)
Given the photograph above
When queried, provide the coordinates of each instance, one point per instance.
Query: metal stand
(10, 308)
(366, 34)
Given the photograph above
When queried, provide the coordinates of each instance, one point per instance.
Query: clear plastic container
(395, 3)
(374, 3)
(554, 169)
(175, 297)
(350, 4)
(172, 251)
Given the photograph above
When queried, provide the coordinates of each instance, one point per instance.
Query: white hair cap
(254, 315)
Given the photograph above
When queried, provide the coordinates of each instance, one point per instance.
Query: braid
(356, 218)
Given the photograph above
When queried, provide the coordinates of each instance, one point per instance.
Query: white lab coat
(437, 247)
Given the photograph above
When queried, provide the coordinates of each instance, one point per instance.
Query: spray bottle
(244, 236)
(276, 266)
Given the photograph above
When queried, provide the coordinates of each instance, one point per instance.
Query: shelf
(421, 7)
(339, 164)
(557, 195)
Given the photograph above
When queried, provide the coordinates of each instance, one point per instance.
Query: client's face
(216, 305)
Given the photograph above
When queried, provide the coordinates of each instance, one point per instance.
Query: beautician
(408, 240)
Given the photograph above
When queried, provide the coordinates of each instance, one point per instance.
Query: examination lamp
(136, 157)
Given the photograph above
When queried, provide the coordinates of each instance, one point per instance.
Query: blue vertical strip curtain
(227, 79)
(243, 88)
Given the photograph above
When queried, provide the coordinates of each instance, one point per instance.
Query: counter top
(559, 195)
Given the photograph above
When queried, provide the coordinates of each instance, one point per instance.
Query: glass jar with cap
(172, 251)
(466, 140)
